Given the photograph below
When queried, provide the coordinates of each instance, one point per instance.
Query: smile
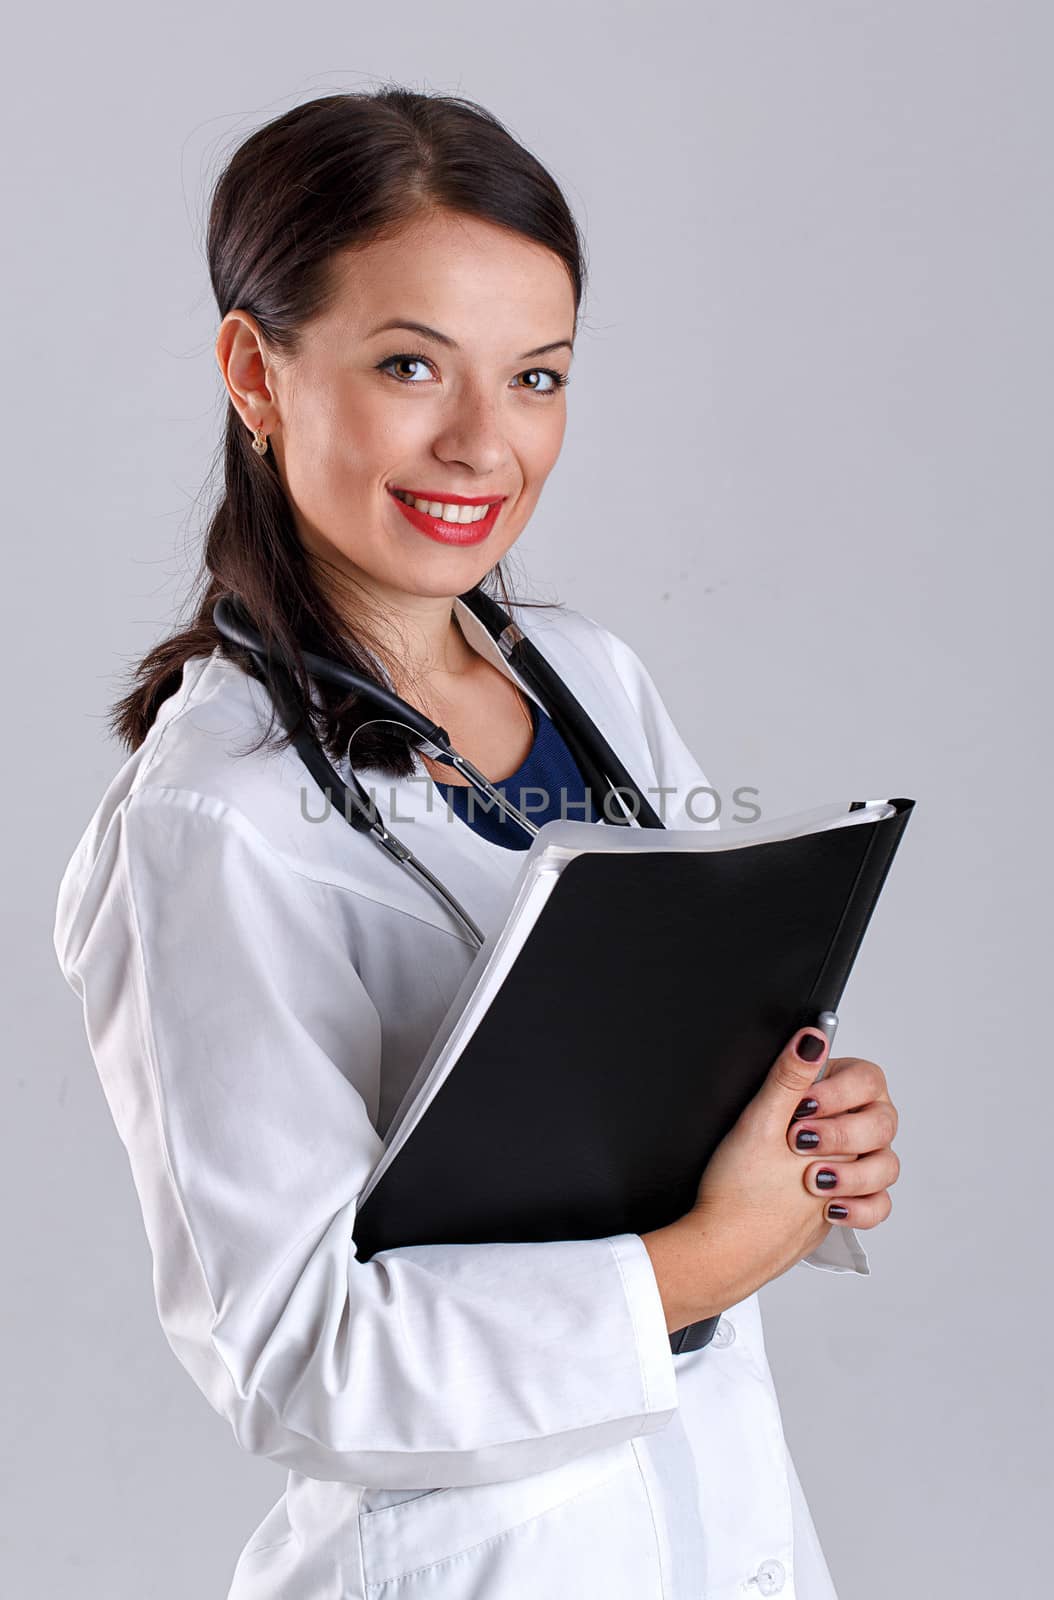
(449, 510)
(448, 521)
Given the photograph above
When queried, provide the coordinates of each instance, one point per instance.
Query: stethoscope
(600, 767)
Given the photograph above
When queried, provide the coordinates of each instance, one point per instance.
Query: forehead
(466, 277)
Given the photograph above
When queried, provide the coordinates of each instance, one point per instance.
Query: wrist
(683, 1263)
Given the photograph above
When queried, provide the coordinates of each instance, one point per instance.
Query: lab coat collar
(485, 645)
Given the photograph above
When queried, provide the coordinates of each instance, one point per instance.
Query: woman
(260, 983)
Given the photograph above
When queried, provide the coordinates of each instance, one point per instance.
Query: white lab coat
(494, 1420)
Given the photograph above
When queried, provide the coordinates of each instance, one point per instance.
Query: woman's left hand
(854, 1123)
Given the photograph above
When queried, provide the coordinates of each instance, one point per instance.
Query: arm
(681, 1263)
(239, 1052)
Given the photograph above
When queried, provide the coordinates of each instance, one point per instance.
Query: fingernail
(837, 1211)
(806, 1109)
(811, 1046)
(826, 1179)
(807, 1139)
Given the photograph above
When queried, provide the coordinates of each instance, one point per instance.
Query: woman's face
(472, 409)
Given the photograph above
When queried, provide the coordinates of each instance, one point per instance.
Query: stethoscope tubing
(426, 733)
(576, 727)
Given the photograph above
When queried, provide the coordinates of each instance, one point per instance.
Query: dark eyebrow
(443, 338)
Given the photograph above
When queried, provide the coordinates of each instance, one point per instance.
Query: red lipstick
(457, 533)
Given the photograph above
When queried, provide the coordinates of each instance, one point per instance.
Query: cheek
(540, 451)
(534, 431)
(336, 452)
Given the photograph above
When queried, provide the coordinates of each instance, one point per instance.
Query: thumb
(793, 1072)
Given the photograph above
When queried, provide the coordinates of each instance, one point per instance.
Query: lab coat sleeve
(687, 801)
(239, 1052)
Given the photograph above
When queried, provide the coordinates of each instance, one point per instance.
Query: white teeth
(447, 512)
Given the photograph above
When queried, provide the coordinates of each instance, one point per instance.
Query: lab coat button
(724, 1334)
(770, 1577)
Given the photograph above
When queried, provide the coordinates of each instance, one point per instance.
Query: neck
(417, 633)
(421, 640)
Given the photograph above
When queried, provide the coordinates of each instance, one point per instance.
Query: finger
(790, 1076)
(867, 1175)
(848, 1084)
(852, 1133)
(861, 1211)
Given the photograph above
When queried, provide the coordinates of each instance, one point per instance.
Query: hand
(855, 1122)
(754, 1215)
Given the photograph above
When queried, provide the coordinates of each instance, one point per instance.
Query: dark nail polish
(811, 1046)
(826, 1179)
(806, 1108)
(807, 1139)
(837, 1211)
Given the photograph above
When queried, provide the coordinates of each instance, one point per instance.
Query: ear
(243, 362)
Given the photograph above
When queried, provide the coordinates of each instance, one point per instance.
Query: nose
(471, 432)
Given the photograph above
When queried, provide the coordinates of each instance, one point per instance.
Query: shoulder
(195, 780)
(203, 736)
(205, 752)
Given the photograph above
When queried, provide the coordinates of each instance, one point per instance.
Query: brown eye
(557, 380)
(407, 360)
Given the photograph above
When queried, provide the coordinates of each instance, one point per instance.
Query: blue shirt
(546, 786)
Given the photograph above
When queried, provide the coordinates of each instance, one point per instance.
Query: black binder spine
(848, 937)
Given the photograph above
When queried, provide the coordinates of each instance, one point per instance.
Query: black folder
(650, 979)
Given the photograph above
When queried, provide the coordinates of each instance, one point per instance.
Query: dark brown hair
(334, 173)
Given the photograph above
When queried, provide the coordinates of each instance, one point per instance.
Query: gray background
(807, 475)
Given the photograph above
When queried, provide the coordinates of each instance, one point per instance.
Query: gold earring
(260, 442)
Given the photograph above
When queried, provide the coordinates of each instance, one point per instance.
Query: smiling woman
(398, 282)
